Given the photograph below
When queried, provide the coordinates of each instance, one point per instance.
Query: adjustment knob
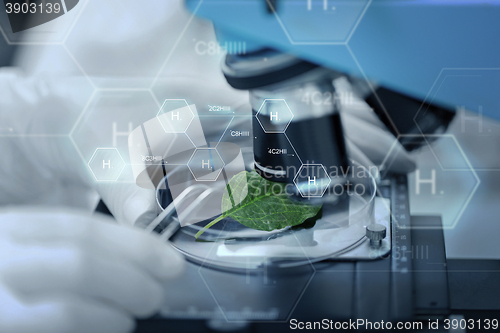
(375, 233)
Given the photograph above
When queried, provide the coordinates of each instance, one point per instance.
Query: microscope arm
(443, 52)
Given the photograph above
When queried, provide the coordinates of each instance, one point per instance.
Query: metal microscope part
(262, 68)
(407, 59)
(314, 135)
(309, 133)
(316, 81)
(375, 233)
(403, 114)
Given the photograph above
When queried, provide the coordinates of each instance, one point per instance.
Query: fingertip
(139, 210)
(105, 319)
(171, 263)
(129, 203)
(175, 262)
(155, 296)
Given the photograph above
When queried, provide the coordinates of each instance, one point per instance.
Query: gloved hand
(45, 169)
(65, 271)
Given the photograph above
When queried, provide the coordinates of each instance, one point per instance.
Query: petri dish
(232, 246)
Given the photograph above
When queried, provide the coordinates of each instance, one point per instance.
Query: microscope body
(405, 46)
(392, 51)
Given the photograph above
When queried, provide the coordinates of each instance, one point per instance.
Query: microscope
(391, 52)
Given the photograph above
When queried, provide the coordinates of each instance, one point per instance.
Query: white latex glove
(46, 169)
(63, 271)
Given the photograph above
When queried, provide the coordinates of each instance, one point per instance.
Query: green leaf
(261, 204)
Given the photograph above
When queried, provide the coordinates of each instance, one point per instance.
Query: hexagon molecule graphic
(175, 115)
(274, 116)
(320, 22)
(206, 164)
(106, 164)
(444, 181)
(312, 180)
